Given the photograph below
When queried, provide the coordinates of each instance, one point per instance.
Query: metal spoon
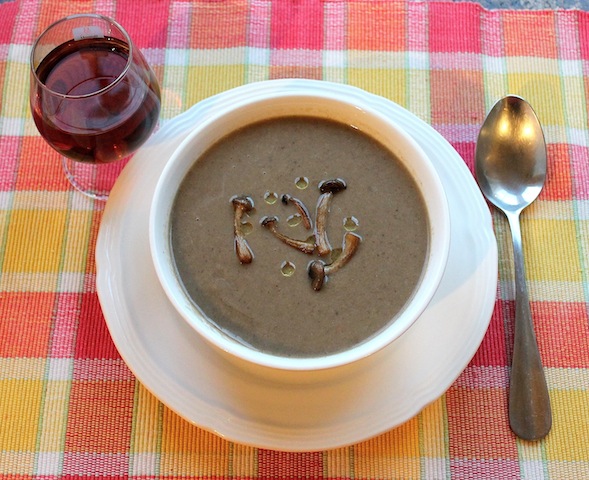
(511, 169)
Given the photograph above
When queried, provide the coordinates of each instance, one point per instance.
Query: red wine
(102, 127)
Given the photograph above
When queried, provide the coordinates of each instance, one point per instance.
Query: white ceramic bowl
(310, 98)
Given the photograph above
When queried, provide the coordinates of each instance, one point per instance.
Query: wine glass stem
(93, 180)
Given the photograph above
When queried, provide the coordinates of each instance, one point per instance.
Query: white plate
(293, 411)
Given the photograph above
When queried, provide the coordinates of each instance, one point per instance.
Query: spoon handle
(530, 415)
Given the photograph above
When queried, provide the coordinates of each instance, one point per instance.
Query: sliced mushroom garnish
(303, 246)
(302, 209)
(241, 205)
(349, 247)
(319, 271)
(328, 189)
(317, 274)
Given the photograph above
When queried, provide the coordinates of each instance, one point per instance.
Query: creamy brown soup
(269, 303)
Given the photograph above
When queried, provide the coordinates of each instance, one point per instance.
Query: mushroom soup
(299, 236)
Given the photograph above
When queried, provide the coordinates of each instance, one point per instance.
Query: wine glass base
(93, 180)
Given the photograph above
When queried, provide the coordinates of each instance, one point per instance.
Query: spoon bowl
(511, 170)
(511, 155)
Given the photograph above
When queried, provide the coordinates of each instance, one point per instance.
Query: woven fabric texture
(71, 408)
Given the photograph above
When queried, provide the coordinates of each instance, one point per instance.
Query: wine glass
(93, 97)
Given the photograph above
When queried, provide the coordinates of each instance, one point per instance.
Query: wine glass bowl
(93, 96)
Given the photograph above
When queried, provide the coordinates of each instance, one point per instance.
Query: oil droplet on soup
(294, 220)
(301, 182)
(287, 269)
(351, 223)
(270, 198)
(247, 228)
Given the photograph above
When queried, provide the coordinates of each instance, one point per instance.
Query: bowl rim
(162, 255)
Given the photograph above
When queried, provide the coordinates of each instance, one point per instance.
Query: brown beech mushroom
(302, 209)
(319, 271)
(303, 246)
(328, 189)
(241, 205)
(317, 274)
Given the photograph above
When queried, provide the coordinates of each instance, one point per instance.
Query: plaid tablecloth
(69, 406)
